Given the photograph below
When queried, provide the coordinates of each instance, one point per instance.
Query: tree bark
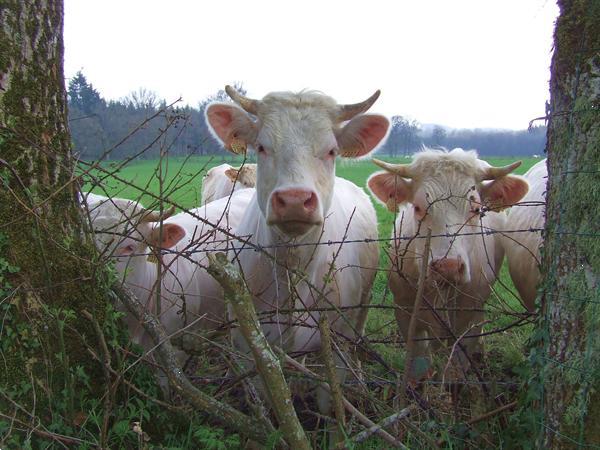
(50, 275)
(47, 270)
(571, 260)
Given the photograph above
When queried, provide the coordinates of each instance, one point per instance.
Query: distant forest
(141, 126)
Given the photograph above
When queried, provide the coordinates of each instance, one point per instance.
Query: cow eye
(260, 149)
(332, 152)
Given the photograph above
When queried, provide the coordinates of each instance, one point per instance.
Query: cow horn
(156, 216)
(347, 112)
(402, 170)
(491, 173)
(246, 103)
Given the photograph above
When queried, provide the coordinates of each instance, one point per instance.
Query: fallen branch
(492, 413)
(269, 368)
(388, 421)
(177, 380)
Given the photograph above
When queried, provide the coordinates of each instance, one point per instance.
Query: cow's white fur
(523, 249)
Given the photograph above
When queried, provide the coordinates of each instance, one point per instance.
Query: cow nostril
(311, 203)
(279, 202)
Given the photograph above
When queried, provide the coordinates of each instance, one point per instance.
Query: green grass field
(182, 184)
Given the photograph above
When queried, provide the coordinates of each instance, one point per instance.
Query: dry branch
(388, 421)
(267, 362)
(177, 379)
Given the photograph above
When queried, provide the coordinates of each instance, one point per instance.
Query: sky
(459, 63)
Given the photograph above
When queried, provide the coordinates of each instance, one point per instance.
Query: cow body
(523, 249)
(443, 191)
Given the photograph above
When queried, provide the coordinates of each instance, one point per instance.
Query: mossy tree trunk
(571, 264)
(62, 366)
(47, 270)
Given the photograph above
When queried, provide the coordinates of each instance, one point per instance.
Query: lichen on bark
(571, 256)
(39, 216)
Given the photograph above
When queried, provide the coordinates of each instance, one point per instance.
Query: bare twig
(492, 413)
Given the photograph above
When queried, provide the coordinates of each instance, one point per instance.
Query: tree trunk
(61, 362)
(47, 272)
(570, 373)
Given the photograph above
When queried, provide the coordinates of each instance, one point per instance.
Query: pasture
(179, 180)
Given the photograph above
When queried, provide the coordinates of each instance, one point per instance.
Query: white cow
(523, 249)
(221, 181)
(299, 201)
(446, 192)
(189, 296)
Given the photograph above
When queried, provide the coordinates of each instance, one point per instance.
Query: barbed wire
(372, 338)
(259, 247)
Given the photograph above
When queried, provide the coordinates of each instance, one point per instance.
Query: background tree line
(98, 125)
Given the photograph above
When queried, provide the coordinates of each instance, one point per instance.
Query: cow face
(446, 192)
(297, 138)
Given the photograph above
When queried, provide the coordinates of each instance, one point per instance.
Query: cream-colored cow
(300, 205)
(458, 197)
(221, 181)
(523, 249)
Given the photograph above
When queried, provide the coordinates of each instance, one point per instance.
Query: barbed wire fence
(433, 407)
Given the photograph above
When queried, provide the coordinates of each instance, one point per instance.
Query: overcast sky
(460, 63)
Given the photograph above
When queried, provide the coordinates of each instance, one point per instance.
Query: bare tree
(142, 99)
(570, 372)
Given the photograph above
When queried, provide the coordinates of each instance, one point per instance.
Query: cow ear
(231, 125)
(170, 235)
(504, 192)
(232, 174)
(390, 189)
(362, 135)
(247, 175)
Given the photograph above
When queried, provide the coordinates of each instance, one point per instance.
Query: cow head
(124, 229)
(447, 192)
(297, 138)
(245, 176)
